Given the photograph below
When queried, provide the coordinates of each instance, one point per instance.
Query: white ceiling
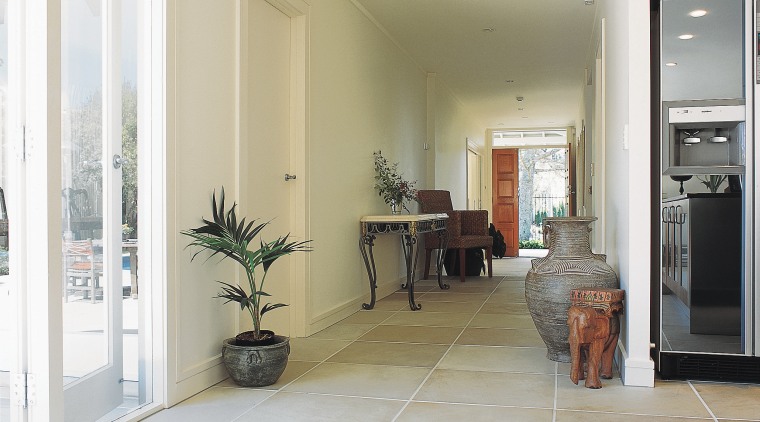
(541, 45)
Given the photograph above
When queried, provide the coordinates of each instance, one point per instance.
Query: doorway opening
(540, 183)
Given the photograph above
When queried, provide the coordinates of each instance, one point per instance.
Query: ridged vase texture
(569, 265)
(256, 366)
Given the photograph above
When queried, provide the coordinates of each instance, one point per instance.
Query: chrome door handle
(118, 160)
(289, 177)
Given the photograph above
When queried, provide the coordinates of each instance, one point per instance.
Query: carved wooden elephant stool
(594, 329)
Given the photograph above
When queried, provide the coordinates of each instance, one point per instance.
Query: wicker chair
(466, 228)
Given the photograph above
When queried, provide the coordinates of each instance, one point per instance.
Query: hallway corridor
(471, 354)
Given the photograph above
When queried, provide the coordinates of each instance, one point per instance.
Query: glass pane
(134, 337)
(85, 158)
(85, 308)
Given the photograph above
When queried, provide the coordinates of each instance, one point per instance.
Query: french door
(71, 174)
(91, 197)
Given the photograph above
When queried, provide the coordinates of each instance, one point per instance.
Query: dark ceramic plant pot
(256, 366)
(569, 265)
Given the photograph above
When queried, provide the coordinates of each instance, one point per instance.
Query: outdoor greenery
(4, 261)
(531, 244)
(87, 153)
(541, 170)
(557, 211)
(231, 238)
(129, 152)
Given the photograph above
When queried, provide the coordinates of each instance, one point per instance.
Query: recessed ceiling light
(671, 64)
(525, 117)
(520, 108)
(487, 29)
(501, 124)
(685, 36)
(520, 98)
(697, 13)
(509, 81)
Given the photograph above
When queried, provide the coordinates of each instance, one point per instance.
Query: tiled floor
(471, 354)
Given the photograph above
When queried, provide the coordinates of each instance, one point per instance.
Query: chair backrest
(78, 248)
(432, 201)
(79, 255)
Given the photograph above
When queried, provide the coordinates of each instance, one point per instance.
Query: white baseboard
(181, 390)
(634, 372)
(346, 309)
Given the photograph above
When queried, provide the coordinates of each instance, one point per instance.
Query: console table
(408, 227)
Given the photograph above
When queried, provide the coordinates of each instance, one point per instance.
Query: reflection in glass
(85, 317)
(714, 49)
(84, 196)
(703, 249)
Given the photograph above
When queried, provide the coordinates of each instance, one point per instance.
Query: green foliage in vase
(389, 183)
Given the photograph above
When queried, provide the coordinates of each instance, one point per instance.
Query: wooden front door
(505, 201)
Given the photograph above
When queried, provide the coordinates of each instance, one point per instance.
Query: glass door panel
(91, 208)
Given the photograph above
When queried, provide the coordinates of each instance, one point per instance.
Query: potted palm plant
(258, 357)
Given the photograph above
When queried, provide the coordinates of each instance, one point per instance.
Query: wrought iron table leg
(367, 242)
(406, 261)
(443, 242)
(409, 244)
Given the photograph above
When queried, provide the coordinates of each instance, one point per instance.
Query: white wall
(366, 95)
(453, 127)
(626, 178)
(200, 136)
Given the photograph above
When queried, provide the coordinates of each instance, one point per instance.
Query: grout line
(451, 346)
(500, 406)
(656, 415)
(556, 389)
(315, 366)
(712, 415)
(351, 396)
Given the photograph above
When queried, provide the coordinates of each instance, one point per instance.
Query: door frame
(478, 196)
(598, 162)
(36, 180)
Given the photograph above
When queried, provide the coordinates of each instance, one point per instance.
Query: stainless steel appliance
(702, 266)
(705, 319)
(703, 137)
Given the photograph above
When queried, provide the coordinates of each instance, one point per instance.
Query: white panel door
(268, 194)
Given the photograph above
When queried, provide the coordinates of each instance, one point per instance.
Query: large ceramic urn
(569, 265)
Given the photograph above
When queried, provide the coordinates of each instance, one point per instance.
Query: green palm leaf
(226, 236)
